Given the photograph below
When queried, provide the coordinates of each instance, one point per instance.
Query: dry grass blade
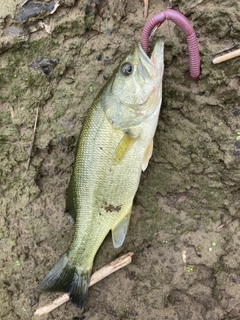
(196, 4)
(97, 276)
(232, 46)
(33, 137)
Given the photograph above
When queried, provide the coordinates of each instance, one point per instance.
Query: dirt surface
(185, 266)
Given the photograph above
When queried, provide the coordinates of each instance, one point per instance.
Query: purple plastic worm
(182, 22)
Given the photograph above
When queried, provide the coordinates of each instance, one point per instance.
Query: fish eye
(127, 69)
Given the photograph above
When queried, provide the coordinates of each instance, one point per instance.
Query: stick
(97, 276)
(24, 2)
(232, 46)
(145, 9)
(12, 112)
(223, 225)
(227, 56)
(33, 137)
(196, 4)
(56, 5)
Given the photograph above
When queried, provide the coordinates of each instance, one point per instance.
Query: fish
(114, 147)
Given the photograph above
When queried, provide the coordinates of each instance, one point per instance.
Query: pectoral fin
(147, 155)
(122, 148)
(120, 231)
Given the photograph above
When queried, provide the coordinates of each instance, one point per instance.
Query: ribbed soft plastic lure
(182, 22)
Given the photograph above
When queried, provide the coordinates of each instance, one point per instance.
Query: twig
(56, 5)
(232, 46)
(227, 56)
(184, 258)
(33, 137)
(12, 112)
(24, 2)
(145, 9)
(225, 224)
(97, 276)
(197, 3)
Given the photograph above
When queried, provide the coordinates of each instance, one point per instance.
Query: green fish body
(114, 146)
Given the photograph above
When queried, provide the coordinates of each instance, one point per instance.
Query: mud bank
(185, 266)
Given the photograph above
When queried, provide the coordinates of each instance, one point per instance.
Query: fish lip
(144, 55)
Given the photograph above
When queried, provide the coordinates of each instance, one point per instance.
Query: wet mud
(184, 230)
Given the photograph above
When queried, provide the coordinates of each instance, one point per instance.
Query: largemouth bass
(114, 146)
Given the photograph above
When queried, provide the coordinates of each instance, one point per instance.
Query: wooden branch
(97, 276)
(227, 56)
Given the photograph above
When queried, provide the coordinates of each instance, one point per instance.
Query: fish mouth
(157, 53)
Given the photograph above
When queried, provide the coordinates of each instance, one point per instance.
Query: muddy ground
(187, 205)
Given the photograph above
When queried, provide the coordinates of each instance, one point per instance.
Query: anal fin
(120, 231)
(70, 209)
(147, 155)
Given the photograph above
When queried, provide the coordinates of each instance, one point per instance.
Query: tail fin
(68, 278)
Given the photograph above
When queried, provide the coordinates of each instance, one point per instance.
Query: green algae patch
(8, 8)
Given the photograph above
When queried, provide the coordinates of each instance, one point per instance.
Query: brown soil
(185, 266)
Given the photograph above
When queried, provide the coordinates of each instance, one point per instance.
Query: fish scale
(114, 146)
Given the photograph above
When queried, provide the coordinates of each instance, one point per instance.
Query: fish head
(135, 91)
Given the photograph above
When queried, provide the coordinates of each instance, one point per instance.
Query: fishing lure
(183, 23)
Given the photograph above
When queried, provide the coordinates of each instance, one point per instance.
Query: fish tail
(68, 278)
